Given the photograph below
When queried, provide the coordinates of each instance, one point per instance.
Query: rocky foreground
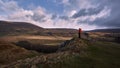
(72, 48)
(75, 53)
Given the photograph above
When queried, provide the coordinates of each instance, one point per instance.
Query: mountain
(24, 28)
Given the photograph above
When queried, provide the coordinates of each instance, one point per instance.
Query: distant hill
(117, 30)
(24, 28)
(62, 31)
(15, 28)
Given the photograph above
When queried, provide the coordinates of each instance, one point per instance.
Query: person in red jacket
(79, 32)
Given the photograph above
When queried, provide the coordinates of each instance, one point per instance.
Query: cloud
(63, 2)
(10, 6)
(88, 17)
(39, 14)
(86, 14)
(80, 4)
(14, 12)
(54, 16)
(64, 17)
(73, 12)
(61, 23)
(111, 21)
(85, 4)
(20, 15)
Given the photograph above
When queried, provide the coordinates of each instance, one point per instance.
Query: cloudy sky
(85, 14)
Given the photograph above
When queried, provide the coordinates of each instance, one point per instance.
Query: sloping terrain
(76, 53)
(24, 28)
(10, 53)
(18, 28)
(95, 50)
(61, 32)
(116, 30)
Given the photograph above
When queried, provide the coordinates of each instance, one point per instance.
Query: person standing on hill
(79, 32)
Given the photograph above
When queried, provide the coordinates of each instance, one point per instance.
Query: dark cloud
(111, 21)
(39, 18)
(90, 11)
(114, 19)
(54, 16)
(64, 17)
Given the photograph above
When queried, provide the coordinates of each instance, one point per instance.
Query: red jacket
(80, 30)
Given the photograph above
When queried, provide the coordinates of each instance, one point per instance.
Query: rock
(33, 66)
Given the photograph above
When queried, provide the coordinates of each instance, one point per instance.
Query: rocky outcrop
(71, 48)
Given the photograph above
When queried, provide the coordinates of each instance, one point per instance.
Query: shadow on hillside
(117, 39)
(37, 47)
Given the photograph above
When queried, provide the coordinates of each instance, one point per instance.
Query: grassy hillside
(10, 53)
(61, 32)
(18, 28)
(94, 50)
(24, 28)
(77, 53)
(115, 30)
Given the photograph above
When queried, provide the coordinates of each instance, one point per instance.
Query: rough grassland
(10, 53)
(77, 54)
